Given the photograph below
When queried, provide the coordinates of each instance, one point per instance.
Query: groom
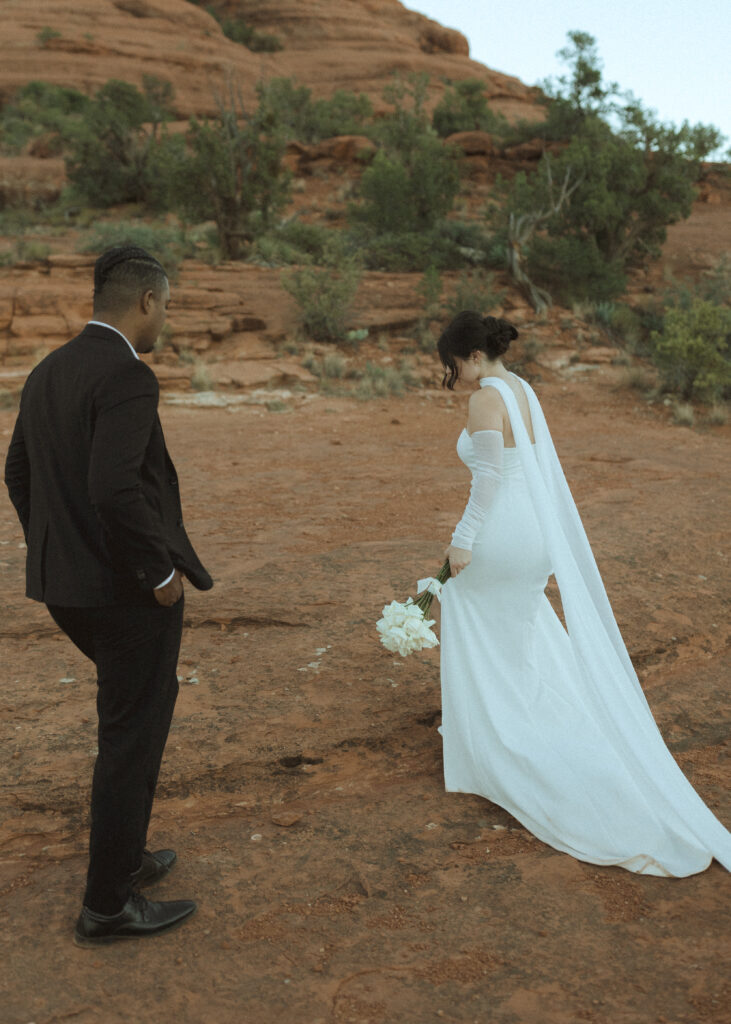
(97, 496)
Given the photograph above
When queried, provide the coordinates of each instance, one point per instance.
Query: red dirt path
(337, 881)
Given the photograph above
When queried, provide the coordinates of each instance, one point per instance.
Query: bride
(549, 723)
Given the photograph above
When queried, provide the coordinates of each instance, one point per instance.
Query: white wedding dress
(551, 723)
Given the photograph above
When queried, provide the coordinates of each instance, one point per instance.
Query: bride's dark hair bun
(499, 335)
(470, 331)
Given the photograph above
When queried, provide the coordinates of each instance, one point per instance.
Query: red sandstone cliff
(328, 45)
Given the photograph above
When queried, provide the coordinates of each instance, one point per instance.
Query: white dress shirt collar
(100, 323)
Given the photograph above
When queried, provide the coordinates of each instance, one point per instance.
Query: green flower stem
(427, 597)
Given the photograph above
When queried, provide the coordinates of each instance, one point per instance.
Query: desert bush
(31, 249)
(475, 290)
(683, 414)
(40, 108)
(713, 285)
(718, 415)
(604, 202)
(402, 251)
(400, 197)
(474, 244)
(325, 294)
(693, 351)
(46, 34)
(311, 241)
(600, 313)
(573, 269)
(201, 379)
(308, 120)
(333, 366)
(463, 107)
(119, 152)
(345, 113)
(429, 290)
(638, 378)
(231, 172)
(446, 246)
(413, 180)
(239, 31)
(626, 327)
(169, 244)
(379, 381)
(291, 242)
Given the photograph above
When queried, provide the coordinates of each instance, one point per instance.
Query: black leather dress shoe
(154, 867)
(138, 918)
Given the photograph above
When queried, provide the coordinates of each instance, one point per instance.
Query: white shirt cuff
(165, 582)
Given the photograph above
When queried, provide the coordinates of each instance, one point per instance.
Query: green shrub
(292, 242)
(718, 415)
(683, 414)
(310, 239)
(407, 196)
(166, 243)
(693, 351)
(573, 269)
(413, 180)
(345, 113)
(380, 381)
(119, 152)
(333, 366)
(324, 295)
(602, 204)
(308, 120)
(475, 290)
(32, 250)
(463, 108)
(713, 285)
(46, 34)
(201, 379)
(232, 172)
(470, 238)
(601, 313)
(272, 251)
(398, 252)
(626, 326)
(239, 31)
(411, 250)
(429, 290)
(40, 108)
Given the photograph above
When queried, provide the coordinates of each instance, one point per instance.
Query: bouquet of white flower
(405, 628)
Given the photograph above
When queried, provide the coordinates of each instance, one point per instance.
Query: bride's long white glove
(488, 447)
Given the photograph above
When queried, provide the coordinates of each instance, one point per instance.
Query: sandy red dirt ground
(302, 785)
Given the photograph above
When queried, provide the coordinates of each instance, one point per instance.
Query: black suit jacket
(91, 479)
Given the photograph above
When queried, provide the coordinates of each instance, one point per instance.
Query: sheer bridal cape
(551, 723)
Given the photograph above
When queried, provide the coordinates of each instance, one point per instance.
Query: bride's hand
(459, 559)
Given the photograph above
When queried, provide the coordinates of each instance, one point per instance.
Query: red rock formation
(328, 45)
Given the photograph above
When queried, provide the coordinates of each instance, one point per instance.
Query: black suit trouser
(135, 650)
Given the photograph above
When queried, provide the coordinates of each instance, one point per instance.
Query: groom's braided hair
(470, 331)
(122, 274)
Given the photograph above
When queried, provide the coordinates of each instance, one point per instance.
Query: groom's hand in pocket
(171, 593)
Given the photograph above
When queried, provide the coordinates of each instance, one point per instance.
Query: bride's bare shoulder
(486, 410)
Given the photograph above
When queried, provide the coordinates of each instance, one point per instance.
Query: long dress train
(551, 723)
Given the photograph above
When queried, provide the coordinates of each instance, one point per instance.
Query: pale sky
(673, 54)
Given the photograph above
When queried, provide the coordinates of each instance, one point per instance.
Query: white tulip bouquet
(404, 628)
